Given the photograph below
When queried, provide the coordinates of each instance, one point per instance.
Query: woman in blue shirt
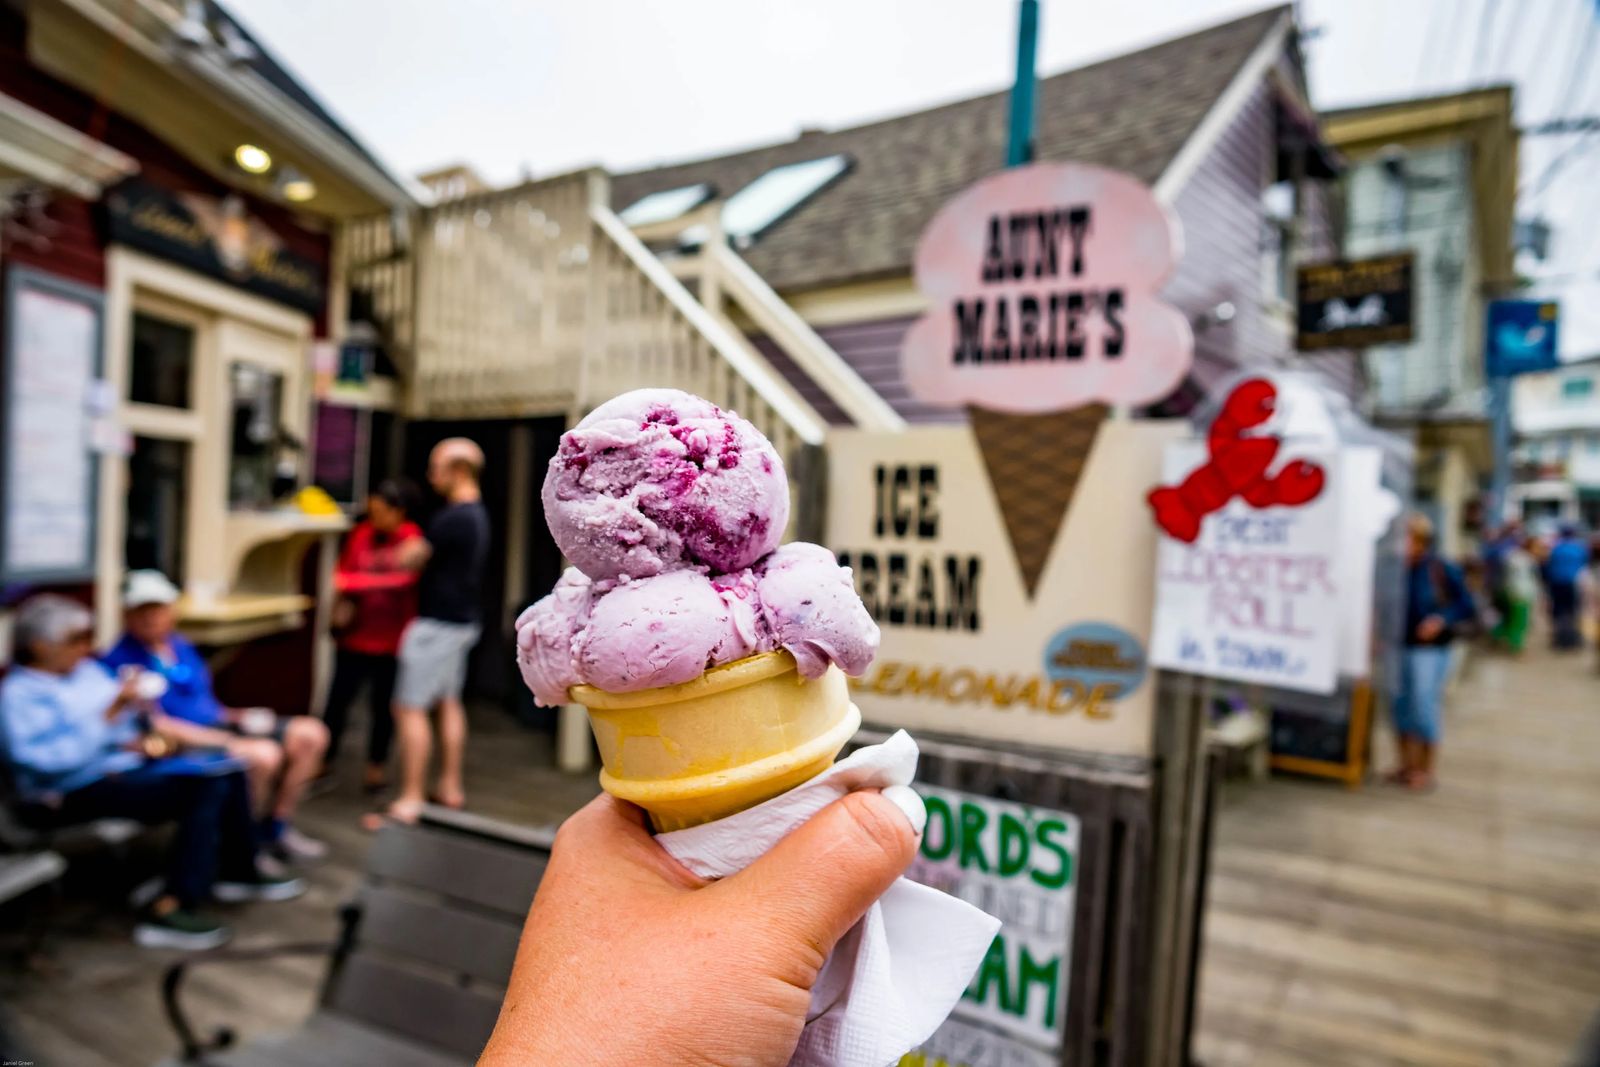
(78, 752)
(1438, 604)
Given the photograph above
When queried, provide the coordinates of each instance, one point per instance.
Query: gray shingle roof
(1131, 113)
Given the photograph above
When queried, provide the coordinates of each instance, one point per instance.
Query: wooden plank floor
(1458, 929)
(1344, 929)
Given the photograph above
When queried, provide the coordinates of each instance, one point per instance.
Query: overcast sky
(512, 86)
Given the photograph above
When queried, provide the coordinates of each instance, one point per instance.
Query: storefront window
(158, 474)
(163, 362)
(256, 400)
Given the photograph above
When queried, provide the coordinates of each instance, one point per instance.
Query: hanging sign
(1019, 864)
(1354, 303)
(1044, 285)
(1522, 337)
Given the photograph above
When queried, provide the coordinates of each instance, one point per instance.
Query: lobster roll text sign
(1254, 596)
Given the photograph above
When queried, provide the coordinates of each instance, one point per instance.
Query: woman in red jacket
(377, 598)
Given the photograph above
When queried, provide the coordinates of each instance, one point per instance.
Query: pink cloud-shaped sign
(1044, 285)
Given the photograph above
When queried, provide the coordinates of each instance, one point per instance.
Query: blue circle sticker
(1095, 654)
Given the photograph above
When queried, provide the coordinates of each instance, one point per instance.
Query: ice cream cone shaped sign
(1044, 284)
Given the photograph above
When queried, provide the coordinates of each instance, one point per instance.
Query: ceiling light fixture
(296, 186)
(252, 159)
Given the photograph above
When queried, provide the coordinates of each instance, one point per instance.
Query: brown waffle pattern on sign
(1034, 462)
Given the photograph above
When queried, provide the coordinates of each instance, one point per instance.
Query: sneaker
(262, 888)
(145, 893)
(271, 865)
(296, 847)
(180, 929)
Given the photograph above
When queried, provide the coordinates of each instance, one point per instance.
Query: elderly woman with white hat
(82, 745)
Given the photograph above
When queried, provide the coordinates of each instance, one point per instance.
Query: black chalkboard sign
(1311, 735)
(1325, 735)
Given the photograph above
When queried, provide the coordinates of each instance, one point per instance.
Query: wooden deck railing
(538, 300)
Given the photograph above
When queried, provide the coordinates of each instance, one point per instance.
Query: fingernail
(905, 798)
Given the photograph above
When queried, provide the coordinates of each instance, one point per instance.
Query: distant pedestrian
(1569, 556)
(1496, 552)
(1520, 592)
(433, 650)
(1438, 605)
(377, 600)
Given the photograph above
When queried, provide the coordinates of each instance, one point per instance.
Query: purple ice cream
(669, 628)
(810, 607)
(546, 633)
(671, 510)
(657, 479)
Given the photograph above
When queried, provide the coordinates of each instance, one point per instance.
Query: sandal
(406, 814)
(458, 804)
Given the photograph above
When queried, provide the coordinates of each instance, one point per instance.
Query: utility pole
(1024, 91)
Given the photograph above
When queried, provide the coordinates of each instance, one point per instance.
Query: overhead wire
(1480, 49)
(1427, 54)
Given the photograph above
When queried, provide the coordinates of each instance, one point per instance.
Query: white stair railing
(538, 300)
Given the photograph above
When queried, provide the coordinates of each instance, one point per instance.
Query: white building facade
(1556, 416)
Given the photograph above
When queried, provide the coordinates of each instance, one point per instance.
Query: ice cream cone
(737, 735)
(1034, 462)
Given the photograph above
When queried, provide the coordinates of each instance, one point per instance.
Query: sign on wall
(1522, 337)
(1043, 284)
(1354, 303)
(215, 237)
(1255, 597)
(965, 649)
(48, 486)
(1044, 313)
(1019, 864)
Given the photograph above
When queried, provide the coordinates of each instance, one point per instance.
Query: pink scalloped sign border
(1044, 286)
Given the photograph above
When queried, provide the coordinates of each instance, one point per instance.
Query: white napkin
(897, 974)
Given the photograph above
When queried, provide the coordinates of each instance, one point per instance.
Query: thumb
(818, 881)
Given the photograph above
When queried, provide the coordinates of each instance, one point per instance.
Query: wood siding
(76, 248)
(1224, 239)
(873, 350)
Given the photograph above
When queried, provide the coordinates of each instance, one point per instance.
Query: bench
(418, 972)
(31, 858)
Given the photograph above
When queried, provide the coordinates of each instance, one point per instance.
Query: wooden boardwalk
(1345, 929)
(1458, 929)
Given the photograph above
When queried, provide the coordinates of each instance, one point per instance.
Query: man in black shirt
(433, 651)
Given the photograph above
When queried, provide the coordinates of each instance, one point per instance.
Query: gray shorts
(433, 662)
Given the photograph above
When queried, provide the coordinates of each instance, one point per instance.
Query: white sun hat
(148, 587)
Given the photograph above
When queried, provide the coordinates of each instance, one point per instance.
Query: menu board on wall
(48, 477)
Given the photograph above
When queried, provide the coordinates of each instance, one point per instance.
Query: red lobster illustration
(1238, 467)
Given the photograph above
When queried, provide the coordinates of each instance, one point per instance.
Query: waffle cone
(739, 734)
(1034, 462)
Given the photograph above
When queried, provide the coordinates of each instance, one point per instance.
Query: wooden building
(1437, 176)
(166, 186)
